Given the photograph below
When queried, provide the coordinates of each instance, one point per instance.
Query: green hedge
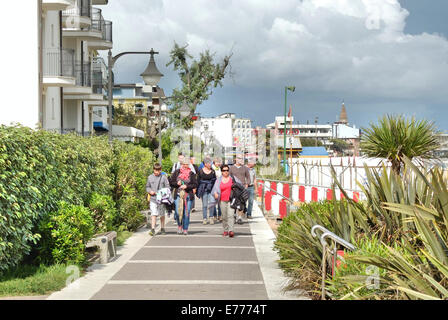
(38, 169)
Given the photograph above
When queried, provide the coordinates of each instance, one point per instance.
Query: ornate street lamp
(151, 76)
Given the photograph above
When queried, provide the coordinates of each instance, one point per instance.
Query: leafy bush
(39, 168)
(132, 167)
(130, 213)
(355, 280)
(104, 212)
(300, 252)
(65, 234)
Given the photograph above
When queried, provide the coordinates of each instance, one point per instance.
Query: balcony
(77, 16)
(57, 5)
(96, 31)
(83, 81)
(103, 26)
(106, 42)
(58, 67)
(99, 76)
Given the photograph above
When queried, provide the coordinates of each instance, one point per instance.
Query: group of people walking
(226, 191)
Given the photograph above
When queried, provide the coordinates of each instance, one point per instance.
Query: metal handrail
(328, 234)
(331, 235)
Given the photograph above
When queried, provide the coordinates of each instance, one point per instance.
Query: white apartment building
(322, 132)
(234, 134)
(59, 74)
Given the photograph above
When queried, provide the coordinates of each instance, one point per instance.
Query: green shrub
(132, 167)
(130, 215)
(37, 170)
(65, 234)
(104, 212)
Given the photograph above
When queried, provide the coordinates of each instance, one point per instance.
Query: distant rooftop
(314, 152)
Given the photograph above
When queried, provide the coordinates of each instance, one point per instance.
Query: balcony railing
(83, 8)
(58, 62)
(107, 32)
(97, 20)
(83, 74)
(97, 82)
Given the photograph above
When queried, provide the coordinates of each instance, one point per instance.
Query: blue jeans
(186, 214)
(206, 199)
(250, 201)
(217, 212)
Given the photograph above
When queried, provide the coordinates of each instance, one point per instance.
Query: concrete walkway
(200, 266)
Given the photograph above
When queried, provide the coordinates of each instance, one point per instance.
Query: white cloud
(350, 47)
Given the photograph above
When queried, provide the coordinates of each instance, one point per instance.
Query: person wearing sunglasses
(221, 192)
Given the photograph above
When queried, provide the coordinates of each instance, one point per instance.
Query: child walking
(156, 182)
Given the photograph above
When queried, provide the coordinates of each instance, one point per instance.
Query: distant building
(234, 134)
(139, 100)
(314, 152)
(324, 133)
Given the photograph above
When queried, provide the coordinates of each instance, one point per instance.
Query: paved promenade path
(200, 266)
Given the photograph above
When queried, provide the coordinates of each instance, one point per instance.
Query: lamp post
(292, 88)
(151, 76)
(315, 122)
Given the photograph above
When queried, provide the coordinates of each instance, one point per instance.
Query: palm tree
(396, 136)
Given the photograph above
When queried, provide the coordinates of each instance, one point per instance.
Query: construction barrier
(302, 194)
(276, 204)
(268, 200)
(274, 186)
(329, 194)
(283, 209)
(295, 193)
(286, 191)
(314, 194)
(280, 188)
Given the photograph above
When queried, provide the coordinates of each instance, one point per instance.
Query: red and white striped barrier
(276, 192)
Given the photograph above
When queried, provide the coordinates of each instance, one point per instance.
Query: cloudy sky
(379, 56)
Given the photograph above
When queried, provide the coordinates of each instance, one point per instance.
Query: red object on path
(302, 194)
(314, 194)
(329, 194)
(283, 209)
(356, 196)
